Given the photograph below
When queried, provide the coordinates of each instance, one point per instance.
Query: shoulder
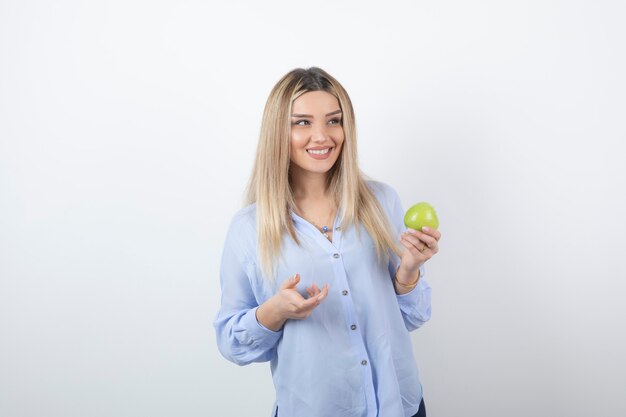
(244, 219)
(242, 235)
(386, 195)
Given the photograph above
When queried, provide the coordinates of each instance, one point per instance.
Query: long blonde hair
(270, 187)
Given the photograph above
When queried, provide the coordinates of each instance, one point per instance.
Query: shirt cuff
(260, 335)
(411, 297)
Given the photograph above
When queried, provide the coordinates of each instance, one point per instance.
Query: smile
(318, 151)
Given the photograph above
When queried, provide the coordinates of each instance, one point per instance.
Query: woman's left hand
(420, 247)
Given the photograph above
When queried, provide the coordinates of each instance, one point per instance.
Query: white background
(127, 134)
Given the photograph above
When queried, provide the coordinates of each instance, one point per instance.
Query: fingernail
(426, 229)
(320, 297)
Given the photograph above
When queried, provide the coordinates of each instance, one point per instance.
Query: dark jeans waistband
(421, 412)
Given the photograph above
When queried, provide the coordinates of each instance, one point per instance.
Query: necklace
(325, 230)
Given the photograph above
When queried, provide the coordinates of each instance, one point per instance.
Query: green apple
(420, 215)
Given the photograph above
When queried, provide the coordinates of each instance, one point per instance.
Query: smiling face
(316, 133)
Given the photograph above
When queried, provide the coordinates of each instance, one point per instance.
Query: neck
(309, 185)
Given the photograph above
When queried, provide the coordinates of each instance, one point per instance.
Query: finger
(425, 250)
(308, 304)
(315, 301)
(414, 240)
(411, 248)
(428, 240)
(290, 283)
(432, 244)
(323, 293)
(432, 232)
(304, 308)
(313, 290)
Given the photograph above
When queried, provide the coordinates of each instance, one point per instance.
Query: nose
(319, 133)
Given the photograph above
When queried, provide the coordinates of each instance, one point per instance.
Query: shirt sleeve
(240, 337)
(416, 304)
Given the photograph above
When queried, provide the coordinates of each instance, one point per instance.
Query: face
(316, 132)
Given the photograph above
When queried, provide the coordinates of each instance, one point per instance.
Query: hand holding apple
(421, 239)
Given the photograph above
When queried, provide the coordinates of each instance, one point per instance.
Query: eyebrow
(308, 115)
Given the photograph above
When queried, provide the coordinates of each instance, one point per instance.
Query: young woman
(318, 274)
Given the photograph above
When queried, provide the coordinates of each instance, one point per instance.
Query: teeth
(320, 152)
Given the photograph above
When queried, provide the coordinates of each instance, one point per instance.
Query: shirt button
(335, 255)
(363, 362)
(353, 327)
(344, 292)
(338, 228)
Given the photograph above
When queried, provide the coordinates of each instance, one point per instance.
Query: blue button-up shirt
(352, 357)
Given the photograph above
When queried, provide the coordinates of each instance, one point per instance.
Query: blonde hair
(270, 187)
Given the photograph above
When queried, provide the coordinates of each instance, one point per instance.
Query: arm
(287, 304)
(246, 331)
(415, 304)
(240, 337)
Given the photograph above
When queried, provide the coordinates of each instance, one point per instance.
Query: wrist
(270, 316)
(406, 276)
(405, 282)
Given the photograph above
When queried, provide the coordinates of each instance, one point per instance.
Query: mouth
(323, 151)
(319, 153)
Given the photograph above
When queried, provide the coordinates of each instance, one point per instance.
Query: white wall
(127, 133)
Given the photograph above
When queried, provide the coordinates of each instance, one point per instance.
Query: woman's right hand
(287, 303)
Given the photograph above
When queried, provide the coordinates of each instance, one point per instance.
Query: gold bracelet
(399, 290)
(411, 285)
(408, 287)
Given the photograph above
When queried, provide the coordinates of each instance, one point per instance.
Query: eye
(335, 121)
(301, 122)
